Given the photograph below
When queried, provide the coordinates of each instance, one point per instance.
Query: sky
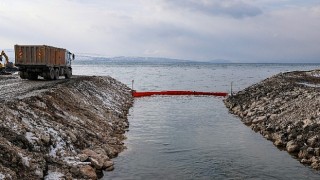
(201, 30)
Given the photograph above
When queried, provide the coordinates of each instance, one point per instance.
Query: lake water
(188, 137)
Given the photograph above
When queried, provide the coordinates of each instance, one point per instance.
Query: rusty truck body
(42, 60)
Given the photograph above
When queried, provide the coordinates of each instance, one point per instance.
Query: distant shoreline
(285, 110)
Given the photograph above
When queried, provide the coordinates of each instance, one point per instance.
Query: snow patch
(54, 175)
(310, 85)
(59, 145)
(72, 161)
(25, 160)
(31, 138)
(41, 104)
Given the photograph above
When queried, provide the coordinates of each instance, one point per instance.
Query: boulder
(306, 122)
(111, 168)
(97, 160)
(83, 157)
(312, 141)
(292, 146)
(89, 153)
(96, 163)
(303, 153)
(108, 164)
(88, 172)
(259, 119)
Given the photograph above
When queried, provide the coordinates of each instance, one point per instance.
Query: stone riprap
(63, 129)
(285, 109)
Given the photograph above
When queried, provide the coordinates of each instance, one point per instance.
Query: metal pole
(132, 84)
(231, 88)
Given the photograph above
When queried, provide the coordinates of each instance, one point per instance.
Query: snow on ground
(25, 160)
(31, 138)
(54, 175)
(69, 117)
(2, 176)
(310, 85)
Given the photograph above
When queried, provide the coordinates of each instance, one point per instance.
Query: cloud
(233, 8)
(243, 31)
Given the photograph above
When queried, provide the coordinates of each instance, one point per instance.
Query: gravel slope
(61, 129)
(286, 110)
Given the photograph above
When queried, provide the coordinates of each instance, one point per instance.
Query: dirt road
(12, 86)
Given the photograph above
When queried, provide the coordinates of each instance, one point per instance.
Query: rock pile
(65, 130)
(286, 110)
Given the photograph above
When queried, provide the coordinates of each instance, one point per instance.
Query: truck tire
(50, 74)
(56, 73)
(32, 76)
(68, 73)
(23, 75)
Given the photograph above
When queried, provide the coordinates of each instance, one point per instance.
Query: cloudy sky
(236, 30)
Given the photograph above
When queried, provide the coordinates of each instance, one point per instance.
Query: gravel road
(13, 87)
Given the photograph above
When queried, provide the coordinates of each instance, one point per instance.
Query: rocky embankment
(286, 110)
(64, 129)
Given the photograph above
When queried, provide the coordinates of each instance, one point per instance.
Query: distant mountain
(125, 59)
(218, 61)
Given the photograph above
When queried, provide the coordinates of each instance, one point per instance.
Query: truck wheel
(50, 74)
(56, 74)
(32, 76)
(46, 76)
(23, 75)
(68, 73)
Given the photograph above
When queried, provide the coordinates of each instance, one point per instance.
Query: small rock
(96, 163)
(310, 150)
(83, 157)
(107, 164)
(306, 122)
(313, 140)
(317, 151)
(111, 168)
(303, 153)
(299, 138)
(89, 153)
(278, 143)
(72, 136)
(273, 116)
(100, 150)
(305, 161)
(314, 159)
(259, 119)
(292, 146)
(270, 127)
(45, 138)
(74, 170)
(315, 165)
(249, 114)
(88, 172)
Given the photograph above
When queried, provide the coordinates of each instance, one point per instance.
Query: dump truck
(42, 60)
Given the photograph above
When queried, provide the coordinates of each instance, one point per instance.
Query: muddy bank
(61, 129)
(286, 110)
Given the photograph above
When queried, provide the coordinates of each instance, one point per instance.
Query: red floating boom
(175, 93)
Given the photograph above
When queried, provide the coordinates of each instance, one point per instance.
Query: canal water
(195, 137)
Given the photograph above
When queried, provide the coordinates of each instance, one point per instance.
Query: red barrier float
(175, 93)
